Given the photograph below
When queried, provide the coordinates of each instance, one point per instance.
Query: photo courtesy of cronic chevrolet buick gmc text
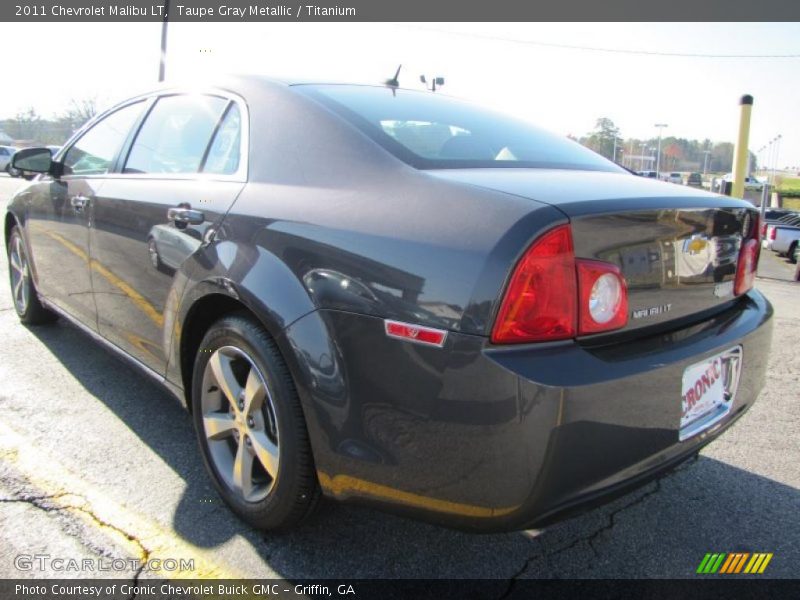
(395, 297)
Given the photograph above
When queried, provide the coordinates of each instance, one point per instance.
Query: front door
(181, 175)
(60, 213)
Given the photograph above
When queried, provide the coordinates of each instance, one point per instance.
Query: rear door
(60, 213)
(179, 175)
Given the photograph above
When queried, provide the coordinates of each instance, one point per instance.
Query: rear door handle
(79, 202)
(186, 215)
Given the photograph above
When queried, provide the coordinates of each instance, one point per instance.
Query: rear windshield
(430, 131)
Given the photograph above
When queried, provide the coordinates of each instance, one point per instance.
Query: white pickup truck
(783, 237)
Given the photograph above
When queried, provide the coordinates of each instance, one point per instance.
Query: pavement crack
(48, 503)
(591, 539)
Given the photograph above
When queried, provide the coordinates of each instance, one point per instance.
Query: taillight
(773, 233)
(603, 297)
(746, 267)
(553, 296)
(540, 301)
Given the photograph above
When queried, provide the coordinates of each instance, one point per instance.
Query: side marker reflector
(415, 333)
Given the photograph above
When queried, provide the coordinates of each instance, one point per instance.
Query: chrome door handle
(79, 202)
(186, 216)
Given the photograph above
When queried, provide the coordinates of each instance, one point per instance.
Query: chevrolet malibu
(395, 297)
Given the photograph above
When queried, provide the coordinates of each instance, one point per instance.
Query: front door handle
(186, 216)
(79, 202)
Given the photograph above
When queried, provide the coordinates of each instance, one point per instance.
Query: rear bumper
(488, 438)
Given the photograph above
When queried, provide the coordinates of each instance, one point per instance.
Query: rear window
(430, 131)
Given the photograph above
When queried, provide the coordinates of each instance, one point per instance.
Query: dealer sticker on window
(708, 390)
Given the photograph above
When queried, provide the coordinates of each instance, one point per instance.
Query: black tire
(294, 493)
(792, 254)
(25, 298)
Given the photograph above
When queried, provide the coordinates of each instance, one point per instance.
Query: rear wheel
(23, 291)
(792, 254)
(250, 426)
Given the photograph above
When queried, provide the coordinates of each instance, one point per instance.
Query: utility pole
(658, 156)
(705, 161)
(630, 154)
(162, 66)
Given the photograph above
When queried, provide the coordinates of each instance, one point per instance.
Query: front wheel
(23, 291)
(250, 426)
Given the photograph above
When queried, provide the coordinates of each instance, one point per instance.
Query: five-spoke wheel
(239, 423)
(250, 425)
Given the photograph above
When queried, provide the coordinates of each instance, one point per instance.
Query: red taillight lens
(540, 302)
(746, 267)
(772, 233)
(553, 296)
(602, 297)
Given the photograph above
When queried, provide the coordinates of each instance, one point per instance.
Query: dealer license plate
(708, 390)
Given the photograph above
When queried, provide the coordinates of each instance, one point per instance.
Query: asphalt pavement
(98, 463)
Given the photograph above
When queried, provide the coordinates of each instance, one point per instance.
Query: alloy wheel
(239, 423)
(20, 273)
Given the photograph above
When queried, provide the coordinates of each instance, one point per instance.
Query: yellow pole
(740, 153)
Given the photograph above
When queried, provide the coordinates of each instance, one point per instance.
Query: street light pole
(777, 151)
(641, 161)
(658, 156)
(162, 66)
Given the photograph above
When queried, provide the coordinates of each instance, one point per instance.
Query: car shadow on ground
(661, 530)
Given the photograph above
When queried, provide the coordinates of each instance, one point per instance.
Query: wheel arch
(266, 290)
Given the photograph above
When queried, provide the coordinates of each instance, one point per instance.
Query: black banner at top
(396, 10)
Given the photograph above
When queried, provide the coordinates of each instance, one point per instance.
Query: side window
(223, 155)
(175, 135)
(93, 152)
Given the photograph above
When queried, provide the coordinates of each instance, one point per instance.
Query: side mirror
(35, 160)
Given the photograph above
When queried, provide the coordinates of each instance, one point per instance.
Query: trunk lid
(677, 246)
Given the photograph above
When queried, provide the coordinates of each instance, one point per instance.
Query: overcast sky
(629, 72)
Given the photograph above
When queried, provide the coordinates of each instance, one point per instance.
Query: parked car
(694, 180)
(397, 298)
(771, 216)
(784, 237)
(769, 232)
(750, 183)
(649, 174)
(675, 178)
(6, 152)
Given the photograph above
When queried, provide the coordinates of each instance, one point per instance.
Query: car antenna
(394, 82)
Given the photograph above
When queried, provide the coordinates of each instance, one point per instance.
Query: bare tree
(81, 110)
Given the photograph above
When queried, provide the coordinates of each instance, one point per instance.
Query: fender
(244, 273)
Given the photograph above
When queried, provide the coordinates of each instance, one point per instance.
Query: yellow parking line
(143, 537)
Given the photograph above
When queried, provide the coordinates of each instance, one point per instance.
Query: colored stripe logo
(735, 562)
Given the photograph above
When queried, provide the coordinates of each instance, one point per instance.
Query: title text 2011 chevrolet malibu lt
(395, 297)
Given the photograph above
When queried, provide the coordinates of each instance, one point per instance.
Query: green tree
(601, 140)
